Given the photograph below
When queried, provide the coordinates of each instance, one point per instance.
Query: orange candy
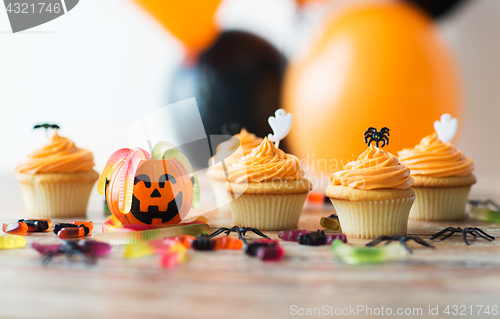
(15, 228)
(227, 242)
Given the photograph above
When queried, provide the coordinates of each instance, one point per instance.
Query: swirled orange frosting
(265, 163)
(227, 150)
(58, 155)
(374, 169)
(436, 159)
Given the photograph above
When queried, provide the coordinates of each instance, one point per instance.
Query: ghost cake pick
(281, 124)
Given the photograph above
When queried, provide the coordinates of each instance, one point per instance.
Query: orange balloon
(375, 64)
(192, 22)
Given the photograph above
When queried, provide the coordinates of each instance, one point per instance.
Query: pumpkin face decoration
(162, 190)
(154, 191)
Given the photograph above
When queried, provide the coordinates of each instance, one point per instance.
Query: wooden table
(229, 284)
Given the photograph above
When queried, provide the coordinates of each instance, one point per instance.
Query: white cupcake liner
(267, 212)
(370, 219)
(440, 204)
(56, 200)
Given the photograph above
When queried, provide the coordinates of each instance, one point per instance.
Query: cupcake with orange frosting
(267, 189)
(57, 179)
(230, 152)
(372, 195)
(443, 178)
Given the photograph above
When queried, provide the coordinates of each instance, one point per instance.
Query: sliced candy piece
(331, 237)
(59, 226)
(203, 242)
(291, 235)
(270, 253)
(330, 222)
(174, 153)
(488, 215)
(72, 232)
(227, 242)
(45, 249)
(138, 250)
(15, 228)
(89, 224)
(113, 160)
(367, 255)
(160, 148)
(126, 180)
(36, 225)
(175, 256)
(12, 241)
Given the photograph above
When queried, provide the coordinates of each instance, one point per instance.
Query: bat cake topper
(372, 135)
(446, 128)
(281, 124)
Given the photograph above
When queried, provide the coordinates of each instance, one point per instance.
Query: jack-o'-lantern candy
(154, 191)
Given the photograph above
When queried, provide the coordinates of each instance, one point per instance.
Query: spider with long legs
(240, 230)
(474, 231)
(372, 135)
(401, 239)
(88, 250)
(487, 203)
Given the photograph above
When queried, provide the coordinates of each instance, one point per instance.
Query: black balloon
(436, 8)
(236, 82)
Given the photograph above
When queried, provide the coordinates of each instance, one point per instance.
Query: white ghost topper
(446, 128)
(281, 124)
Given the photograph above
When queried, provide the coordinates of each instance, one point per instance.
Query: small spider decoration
(372, 135)
(487, 203)
(88, 250)
(474, 231)
(401, 239)
(240, 230)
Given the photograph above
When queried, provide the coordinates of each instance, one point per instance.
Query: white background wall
(105, 63)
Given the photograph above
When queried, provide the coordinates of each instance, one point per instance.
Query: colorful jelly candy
(227, 242)
(175, 256)
(73, 232)
(36, 225)
(89, 224)
(330, 222)
(291, 235)
(320, 238)
(367, 255)
(138, 250)
(203, 242)
(265, 249)
(15, 228)
(12, 241)
(485, 214)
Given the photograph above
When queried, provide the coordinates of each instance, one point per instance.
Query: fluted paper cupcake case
(440, 204)
(267, 212)
(56, 197)
(370, 219)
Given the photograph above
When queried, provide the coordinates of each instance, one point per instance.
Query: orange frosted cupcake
(372, 195)
(57, 179)
(228, 151)
(267, 189)
(443, 178)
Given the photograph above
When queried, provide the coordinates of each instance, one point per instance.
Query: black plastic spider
(474, 231)
(240, 230)
(46, 126)
(487, 203)
(401, 239)
(375, 136)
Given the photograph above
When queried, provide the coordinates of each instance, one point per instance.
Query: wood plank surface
(228, 284)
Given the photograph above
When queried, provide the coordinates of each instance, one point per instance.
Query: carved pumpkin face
(162, 193)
